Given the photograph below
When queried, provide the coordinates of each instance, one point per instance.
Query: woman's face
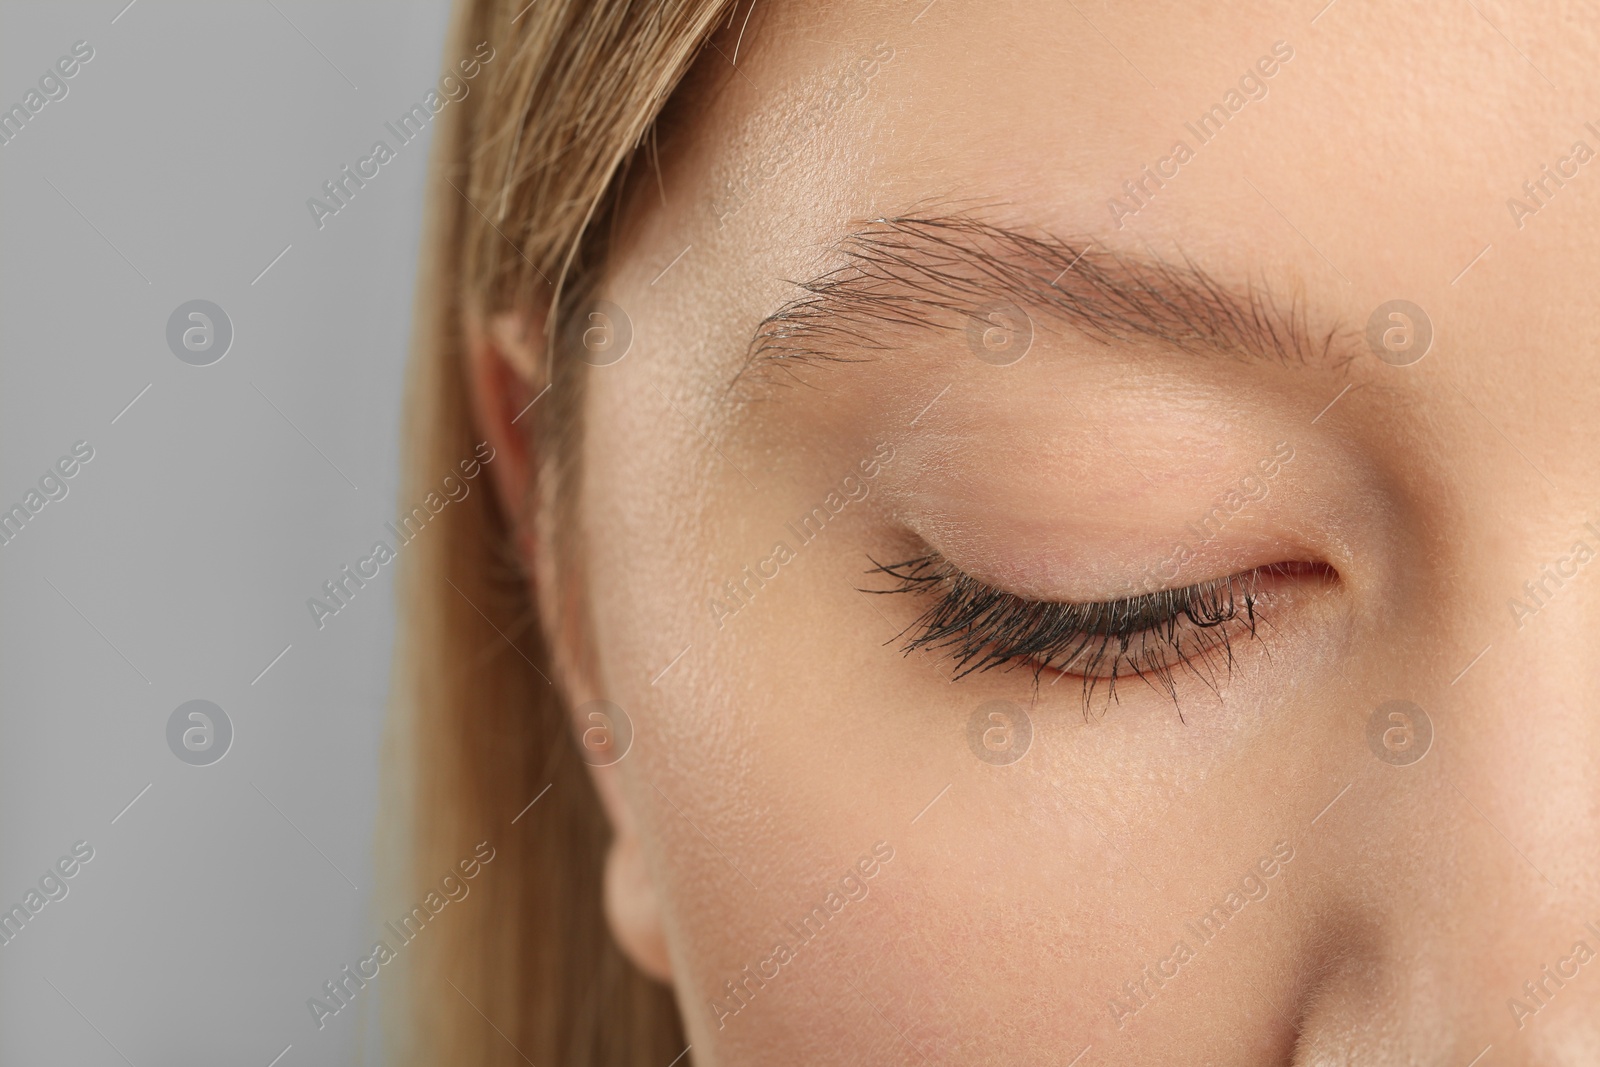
(1125, 304)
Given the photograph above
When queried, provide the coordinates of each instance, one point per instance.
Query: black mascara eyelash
(1146, 636)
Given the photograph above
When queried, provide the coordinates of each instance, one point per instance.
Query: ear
(506, 379)
(633, 905)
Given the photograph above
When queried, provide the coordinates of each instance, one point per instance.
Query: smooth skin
(777, 744)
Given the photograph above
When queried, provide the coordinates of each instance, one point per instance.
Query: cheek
(758, 779)
(773, 751)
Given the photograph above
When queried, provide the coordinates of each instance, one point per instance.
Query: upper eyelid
(936, 558)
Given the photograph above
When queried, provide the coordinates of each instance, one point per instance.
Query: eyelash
(1146, 636)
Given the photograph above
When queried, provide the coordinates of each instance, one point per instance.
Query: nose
(1461, 920)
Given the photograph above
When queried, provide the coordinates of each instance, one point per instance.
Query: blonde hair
(526, 170)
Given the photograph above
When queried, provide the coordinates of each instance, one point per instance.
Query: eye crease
(1148, 636)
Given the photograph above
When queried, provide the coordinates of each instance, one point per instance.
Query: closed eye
(1149, 636)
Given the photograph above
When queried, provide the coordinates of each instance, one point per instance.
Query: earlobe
(634, 909)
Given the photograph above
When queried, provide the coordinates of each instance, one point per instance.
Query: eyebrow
(918, 273)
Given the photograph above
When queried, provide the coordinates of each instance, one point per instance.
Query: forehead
(1366, 155)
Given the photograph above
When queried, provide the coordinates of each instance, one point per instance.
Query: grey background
(191, 541)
